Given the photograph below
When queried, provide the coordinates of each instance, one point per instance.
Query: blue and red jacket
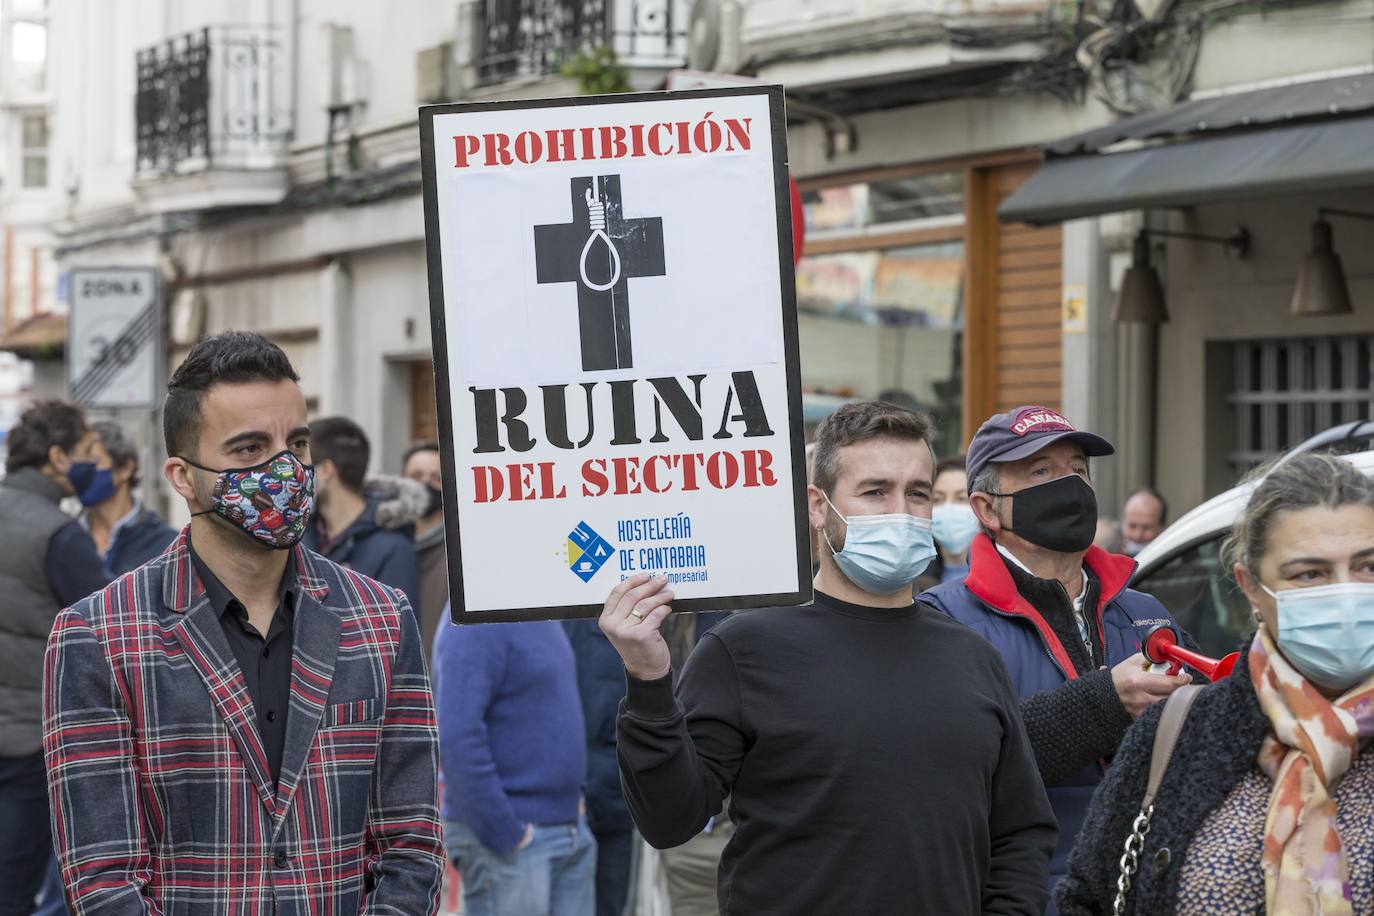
(988, 602)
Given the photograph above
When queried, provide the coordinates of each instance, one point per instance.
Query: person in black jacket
(127, 533)
(364, 525)
(870, 746)
(1267, 804)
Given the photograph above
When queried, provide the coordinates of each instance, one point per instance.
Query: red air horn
(1162, 648)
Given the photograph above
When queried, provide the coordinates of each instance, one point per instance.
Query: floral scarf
(1313, 742)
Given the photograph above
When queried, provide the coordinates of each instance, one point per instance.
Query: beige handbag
(1170, 724)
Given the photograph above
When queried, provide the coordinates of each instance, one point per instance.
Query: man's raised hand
(631, 620)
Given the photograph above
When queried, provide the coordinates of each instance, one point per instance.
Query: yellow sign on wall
(1074, 309)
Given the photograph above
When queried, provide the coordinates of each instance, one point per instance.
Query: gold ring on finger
(636, 615)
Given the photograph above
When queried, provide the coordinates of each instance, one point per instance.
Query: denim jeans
(25, 841)
(50, 902)
(555, 875)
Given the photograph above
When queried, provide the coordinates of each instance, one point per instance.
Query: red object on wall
(798, 221)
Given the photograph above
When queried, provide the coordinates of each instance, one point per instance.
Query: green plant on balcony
(598, 71)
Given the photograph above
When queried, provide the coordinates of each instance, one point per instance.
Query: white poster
(615, 350)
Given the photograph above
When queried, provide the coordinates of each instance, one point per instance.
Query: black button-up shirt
(264, 661)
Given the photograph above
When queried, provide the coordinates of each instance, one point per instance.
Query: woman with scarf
(1267, 804)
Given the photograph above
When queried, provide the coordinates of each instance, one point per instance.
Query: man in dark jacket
(371, 533)
(47, 562)
(127, 533)
(1056, 608)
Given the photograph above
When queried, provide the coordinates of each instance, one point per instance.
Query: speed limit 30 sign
(114, 337)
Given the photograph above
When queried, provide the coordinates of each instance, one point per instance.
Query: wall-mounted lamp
(1321, 288)
(1141, 298)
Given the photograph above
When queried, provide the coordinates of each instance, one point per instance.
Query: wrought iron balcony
(216, 98)
(533, 38)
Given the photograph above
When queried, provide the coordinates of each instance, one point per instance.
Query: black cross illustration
(561, 256)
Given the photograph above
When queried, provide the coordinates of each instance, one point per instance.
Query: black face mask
(1060, 515)
(436, 500)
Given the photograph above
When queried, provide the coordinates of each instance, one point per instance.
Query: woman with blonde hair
(1266, 804)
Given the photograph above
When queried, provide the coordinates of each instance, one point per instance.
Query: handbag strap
(1166, 737)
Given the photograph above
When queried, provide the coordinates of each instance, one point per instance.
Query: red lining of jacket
(991, 582)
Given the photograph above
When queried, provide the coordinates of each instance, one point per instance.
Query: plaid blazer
(162, 798)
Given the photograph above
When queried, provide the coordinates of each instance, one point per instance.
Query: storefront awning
(41, 336)
(1304, 137)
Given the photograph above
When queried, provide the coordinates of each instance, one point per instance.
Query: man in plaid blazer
(240, 726)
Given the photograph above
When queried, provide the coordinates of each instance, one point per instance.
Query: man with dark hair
(127, 533)
(372, 531)
(421, 464)
(870, 746)
(47, 562)
(1056, 608)
(1143, 517)
(241, 725)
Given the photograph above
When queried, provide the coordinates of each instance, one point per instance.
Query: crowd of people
(269, 712)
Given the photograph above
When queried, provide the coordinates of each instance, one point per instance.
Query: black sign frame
(791, 354)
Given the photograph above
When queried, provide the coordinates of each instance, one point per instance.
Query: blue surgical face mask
(954, 525)
(93, 485)
(1327, 632)
(883, 553)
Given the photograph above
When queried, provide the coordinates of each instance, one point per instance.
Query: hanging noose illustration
(596, 219)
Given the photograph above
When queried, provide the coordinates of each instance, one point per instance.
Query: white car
(1185, 570)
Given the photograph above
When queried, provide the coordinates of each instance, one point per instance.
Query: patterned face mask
(270, 502)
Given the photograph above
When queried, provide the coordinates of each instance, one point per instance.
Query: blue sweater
(511, 735)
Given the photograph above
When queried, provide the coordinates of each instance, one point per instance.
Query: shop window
(884, 205)
(916, 285)
(887, 324)
(1286, 391)
(34, 153)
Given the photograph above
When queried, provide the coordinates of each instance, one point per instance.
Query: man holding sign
(871, 748)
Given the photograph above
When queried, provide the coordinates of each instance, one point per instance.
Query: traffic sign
(114, 337)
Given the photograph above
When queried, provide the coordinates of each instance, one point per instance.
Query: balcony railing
(213, 97)
(533, 38)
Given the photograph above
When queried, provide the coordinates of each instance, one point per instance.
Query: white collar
(129, 518)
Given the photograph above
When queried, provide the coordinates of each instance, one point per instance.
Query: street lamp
(1141, 298)
(1321, 288)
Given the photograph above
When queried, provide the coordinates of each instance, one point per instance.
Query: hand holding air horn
(1162, 648)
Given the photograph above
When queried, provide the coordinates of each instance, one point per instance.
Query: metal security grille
(1288, 390)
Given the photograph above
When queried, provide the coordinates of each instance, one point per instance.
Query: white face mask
(883, 553)
(1327, 632)
(955, 526)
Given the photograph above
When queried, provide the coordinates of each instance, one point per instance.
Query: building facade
(264, 156)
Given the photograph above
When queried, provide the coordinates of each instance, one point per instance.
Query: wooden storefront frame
(981, 234)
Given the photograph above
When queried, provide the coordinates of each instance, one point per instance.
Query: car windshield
(1198, 589)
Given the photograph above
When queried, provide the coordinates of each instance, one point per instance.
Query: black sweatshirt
(874, 757)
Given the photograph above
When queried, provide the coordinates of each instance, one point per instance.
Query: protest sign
(615, 348)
